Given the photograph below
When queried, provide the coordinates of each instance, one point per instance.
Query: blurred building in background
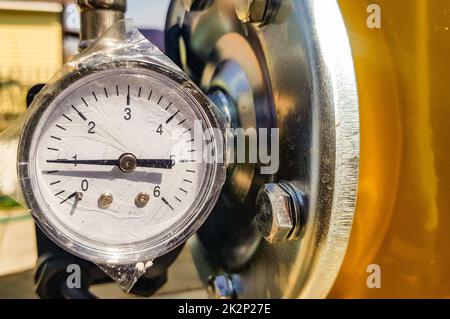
(30, 51)
(37, 37)
(31, 39)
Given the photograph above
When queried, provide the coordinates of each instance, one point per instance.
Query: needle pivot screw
(127, 162)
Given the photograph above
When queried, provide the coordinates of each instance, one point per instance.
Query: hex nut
(274, 213)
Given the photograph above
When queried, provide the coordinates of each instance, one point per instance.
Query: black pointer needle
(151, 163)
(86, 162)
(155, 163)
(74, 194)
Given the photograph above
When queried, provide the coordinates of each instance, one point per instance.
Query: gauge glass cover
(115, 168)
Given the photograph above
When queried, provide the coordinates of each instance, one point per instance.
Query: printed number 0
(84, 185)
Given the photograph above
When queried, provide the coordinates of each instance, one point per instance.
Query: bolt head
(251, 11)
(274, 213)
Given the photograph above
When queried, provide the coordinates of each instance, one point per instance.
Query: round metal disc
(293, 72)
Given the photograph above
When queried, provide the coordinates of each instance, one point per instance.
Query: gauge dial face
(117, 161)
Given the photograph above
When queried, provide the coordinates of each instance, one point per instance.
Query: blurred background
(36, 38)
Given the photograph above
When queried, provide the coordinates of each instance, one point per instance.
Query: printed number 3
(127, 115)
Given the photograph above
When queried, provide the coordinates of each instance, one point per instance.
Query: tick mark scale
(172, 117)
(79, 113)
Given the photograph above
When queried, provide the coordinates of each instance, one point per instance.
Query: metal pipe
(96, 16)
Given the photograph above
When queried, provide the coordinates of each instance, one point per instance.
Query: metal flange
(293, 72)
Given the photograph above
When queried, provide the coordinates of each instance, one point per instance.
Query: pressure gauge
(113, 166)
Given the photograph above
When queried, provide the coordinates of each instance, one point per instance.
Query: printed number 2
(91, 128)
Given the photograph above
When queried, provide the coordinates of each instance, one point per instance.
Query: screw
(279, 207)
(142, 199)
(105, 200)
(222, 287)
(252, 11)
(127, 162)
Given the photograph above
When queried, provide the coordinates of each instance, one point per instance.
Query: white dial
(116, 165)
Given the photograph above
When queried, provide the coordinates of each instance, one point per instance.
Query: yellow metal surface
(402, 220)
